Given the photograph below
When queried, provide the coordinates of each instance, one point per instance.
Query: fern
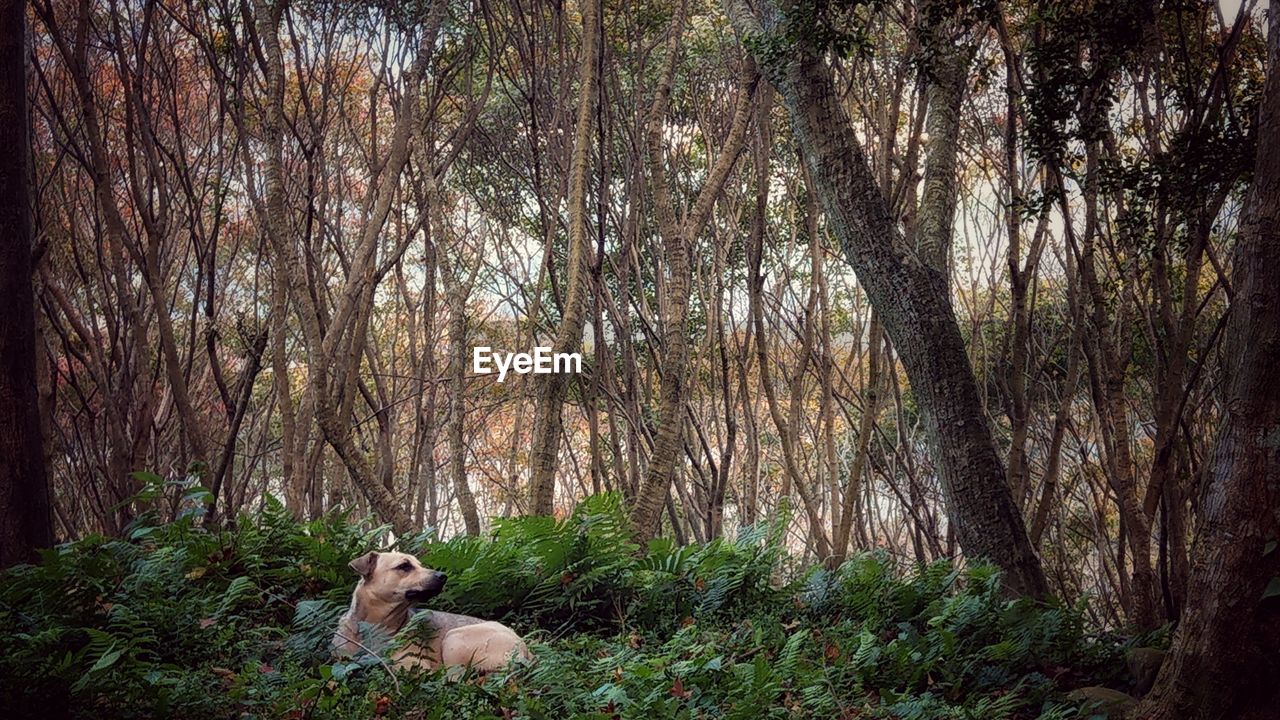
(180, 621)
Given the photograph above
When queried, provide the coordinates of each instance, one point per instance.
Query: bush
(181, 621)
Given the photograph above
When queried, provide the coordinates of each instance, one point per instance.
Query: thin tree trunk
(456, 294)
(677, 239)
(547, 425)
(866, 426)
(294, 490)
(788, 426)
(347, 318)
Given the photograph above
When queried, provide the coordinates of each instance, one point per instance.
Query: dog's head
(395, 578)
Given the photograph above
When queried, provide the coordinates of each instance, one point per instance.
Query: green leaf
(1273, 588)
(108, 659)
(197, 494)
(147, 477)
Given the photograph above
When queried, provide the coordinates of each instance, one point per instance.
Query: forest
(917, 357)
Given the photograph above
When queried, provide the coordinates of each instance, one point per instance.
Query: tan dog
(390, 584)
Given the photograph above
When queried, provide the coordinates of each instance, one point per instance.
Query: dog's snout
(441, 577)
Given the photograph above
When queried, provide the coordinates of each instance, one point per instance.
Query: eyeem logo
(541, 362)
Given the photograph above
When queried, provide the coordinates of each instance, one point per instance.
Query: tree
(678, 235)
(456, 289)
(335, 350)
(25, 520)
(907, 289)
(1223, 662)
(547, 423)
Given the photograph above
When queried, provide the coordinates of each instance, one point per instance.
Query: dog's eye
(404, 567)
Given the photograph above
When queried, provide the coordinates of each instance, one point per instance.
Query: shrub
(177, 620)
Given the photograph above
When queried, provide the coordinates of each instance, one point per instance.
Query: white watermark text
(542, 361)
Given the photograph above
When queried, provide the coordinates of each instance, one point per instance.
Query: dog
(390, 584)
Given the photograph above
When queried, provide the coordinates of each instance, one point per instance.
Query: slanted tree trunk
(866, 427)
(25, 519)
(788, 425)
(1223, 662)
(945, 74)
(545, 455)
(677, 241)
(912, 298)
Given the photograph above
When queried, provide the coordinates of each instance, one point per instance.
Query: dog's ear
(365, 564)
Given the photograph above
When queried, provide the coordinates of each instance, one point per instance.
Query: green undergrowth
(179, 621)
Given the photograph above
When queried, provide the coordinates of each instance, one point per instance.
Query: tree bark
(26, 522)
(945, 78)
(1223, 662)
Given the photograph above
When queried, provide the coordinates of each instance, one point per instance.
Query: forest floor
(179, 621)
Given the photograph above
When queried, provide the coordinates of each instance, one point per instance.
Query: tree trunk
(294, 487)
(946, 73)
(457, 301)
(25, 519)
(677, 240)
(545, 455)
(866, 426)
(915, 307)
(788, 426)
(1223, 663)
(330, 359)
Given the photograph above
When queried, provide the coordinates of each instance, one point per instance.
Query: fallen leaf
(228, 676)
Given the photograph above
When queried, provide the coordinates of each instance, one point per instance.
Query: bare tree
(335, 351)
